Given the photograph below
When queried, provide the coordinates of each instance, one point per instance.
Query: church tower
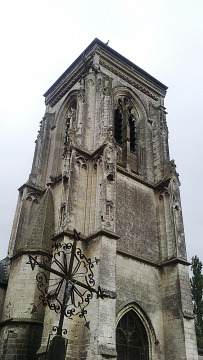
(102, 167)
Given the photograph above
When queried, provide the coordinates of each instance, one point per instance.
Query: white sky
(41, 38)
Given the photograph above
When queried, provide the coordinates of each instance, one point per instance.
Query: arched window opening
(66, 131)
(132, 134)
(73, 106)
(118, 126)
(131, 338)
(71, 116)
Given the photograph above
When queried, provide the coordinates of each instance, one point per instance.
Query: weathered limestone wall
(99, 342)
(81, 178)
(20, 330)
(20, 340)
(2, 296)
(179, 330)
(139, 285)
(136, 220)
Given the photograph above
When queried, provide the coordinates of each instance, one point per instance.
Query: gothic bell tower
(102, 167)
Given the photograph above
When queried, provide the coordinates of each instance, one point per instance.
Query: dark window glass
(132, 134)
(118, 126)
(131, 338)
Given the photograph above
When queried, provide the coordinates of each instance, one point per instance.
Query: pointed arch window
(118, 126)
(131, 338)
(71, 119)
(72, 114)
(132, 134)
(125, 124)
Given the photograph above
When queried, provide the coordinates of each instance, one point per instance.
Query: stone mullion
(80, 109)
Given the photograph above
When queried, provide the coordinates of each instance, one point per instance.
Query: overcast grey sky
(41, 38)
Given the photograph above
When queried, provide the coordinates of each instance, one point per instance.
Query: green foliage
(197, 297)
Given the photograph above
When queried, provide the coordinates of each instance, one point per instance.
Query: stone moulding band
(33, 252)
(101, 232)
(158, 265)
(21, 321)
(129, 80)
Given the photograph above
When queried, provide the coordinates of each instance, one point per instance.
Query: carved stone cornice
(31, 186)
(118, 71)
(63, 88)
(112, 61)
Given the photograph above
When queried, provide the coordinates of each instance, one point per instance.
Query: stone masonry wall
(139, 284)
(136, 221)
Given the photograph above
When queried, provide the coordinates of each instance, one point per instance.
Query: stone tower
(102, 167)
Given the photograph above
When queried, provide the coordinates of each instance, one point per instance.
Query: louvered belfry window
(131, 338)
(118, 126)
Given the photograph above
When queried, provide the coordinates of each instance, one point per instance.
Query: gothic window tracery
(72, 114)
(71, 120)
(131, 338)
(125, 123)
(126, 132)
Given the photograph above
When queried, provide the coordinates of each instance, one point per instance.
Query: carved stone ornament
(152, 112)
(32, 196)
(110, 136)
(129, 80)
(95, 63)
(41, 129)
(107, 86)
(81, 160)
(97, 161)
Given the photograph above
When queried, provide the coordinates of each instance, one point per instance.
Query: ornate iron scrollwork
(65, 293)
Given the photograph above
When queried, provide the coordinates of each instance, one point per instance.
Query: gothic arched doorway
(131, 338)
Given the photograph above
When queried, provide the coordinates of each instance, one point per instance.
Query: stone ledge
(103, 232)
(188, 315)
(138, 258)
(175, 261)
(32, 187)
(107, 352)
(108, 294)
(21, 321)
(100, 232)
(134, 177)
(28, 252)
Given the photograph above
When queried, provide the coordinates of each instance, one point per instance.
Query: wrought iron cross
(77, 294)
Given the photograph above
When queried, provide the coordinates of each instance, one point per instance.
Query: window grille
(131, 338)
